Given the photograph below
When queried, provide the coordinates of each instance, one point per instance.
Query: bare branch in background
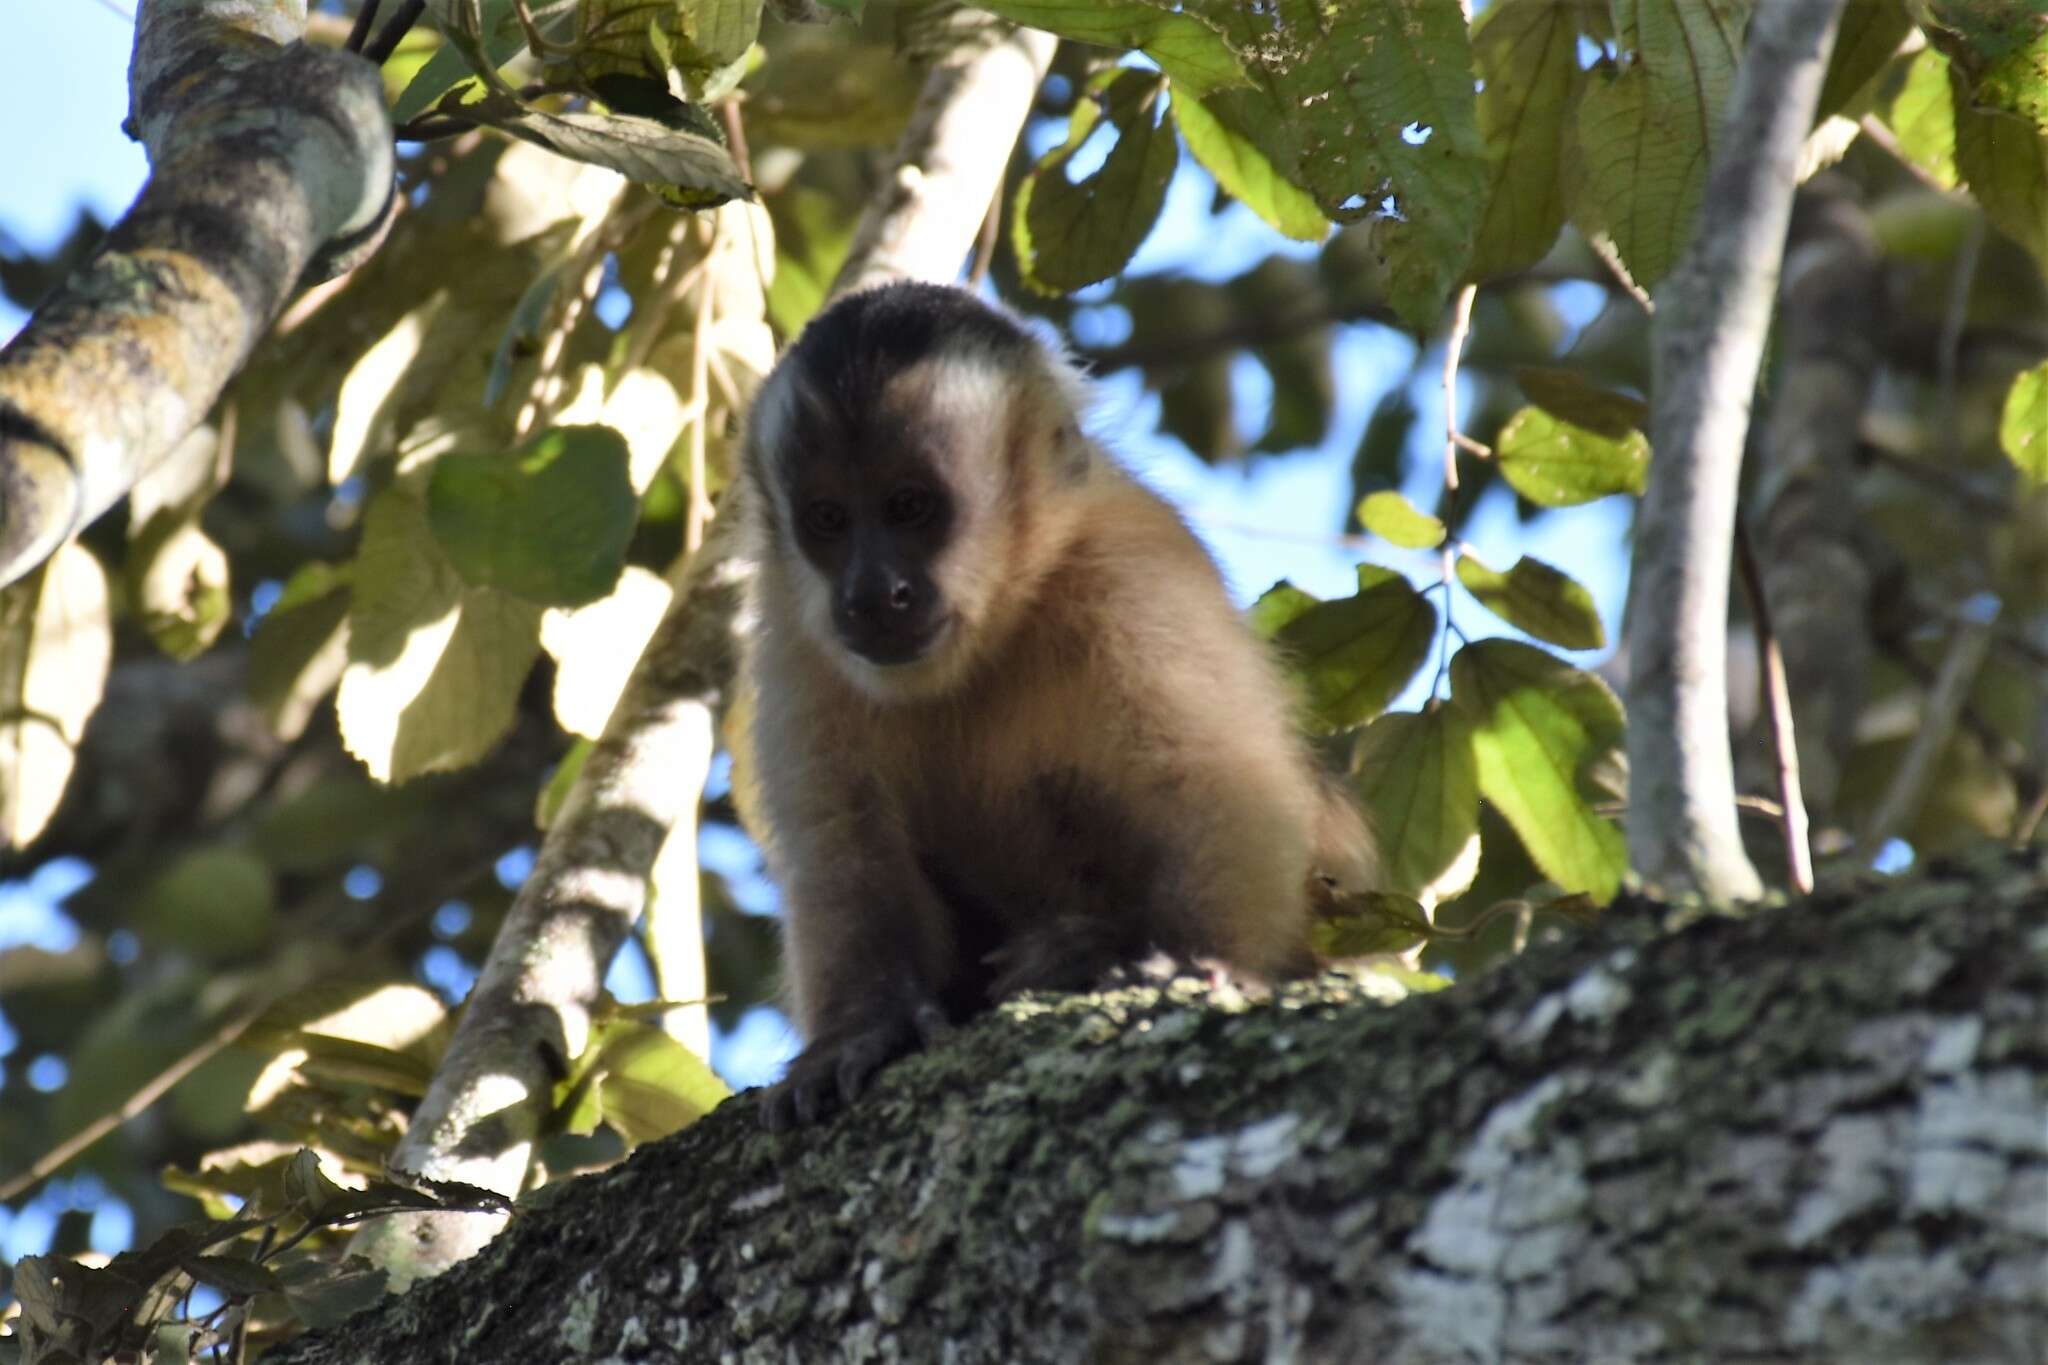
(1709, 332)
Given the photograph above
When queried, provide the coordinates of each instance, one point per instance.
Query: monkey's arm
(867, 945)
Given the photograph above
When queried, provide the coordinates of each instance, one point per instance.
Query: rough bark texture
(1712, 318)
(1819, 1133)
(264, 153)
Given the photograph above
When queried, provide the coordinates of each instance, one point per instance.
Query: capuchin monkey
(1006, 730)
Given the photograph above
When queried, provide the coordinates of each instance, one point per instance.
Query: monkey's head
(909, 454)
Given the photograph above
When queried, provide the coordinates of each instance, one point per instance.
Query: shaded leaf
(216, 903)
(688, 168)
(639, 1081)
(1526, 52)
(1647, 127)
(323, 1293)
(1355, 654)
(2001, 49)
(1870, 33)
(232, 1275)
(1419, 782)
(548, 521)
(1539, 727)
(1569, 396)
(1534, 597)
(1556, 464)
(1376, 922)
(1072, 233)
(2003, 158)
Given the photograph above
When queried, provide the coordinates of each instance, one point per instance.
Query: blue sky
(62, 97)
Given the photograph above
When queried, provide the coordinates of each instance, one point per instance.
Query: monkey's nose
(887, 617)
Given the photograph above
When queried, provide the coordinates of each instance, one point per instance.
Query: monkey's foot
(833, 1071)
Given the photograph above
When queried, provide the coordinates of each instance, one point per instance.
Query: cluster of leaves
(261, 1265)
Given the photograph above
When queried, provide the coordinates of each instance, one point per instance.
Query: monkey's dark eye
(824, 519)
(910, 505)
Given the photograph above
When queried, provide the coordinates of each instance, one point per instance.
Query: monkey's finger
(778, 1109)
(814, 1100)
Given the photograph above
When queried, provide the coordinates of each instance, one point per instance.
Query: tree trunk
(1818, 1133)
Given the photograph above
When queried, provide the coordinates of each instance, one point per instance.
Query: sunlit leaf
(1539, 727)
(2001, 49)
(1277, 606)
(1355, 654)
(1245, 171)
(596, 646)
(2003, 158)
(1376, 922)
(1394, 519)
(1186, 49)
(1557, 464)
(1419, 782)
(1923, 120)
(1534, 597)
(640, 1082)
(434, 667)
(56, 644)
(300, 648)
(2023, 431)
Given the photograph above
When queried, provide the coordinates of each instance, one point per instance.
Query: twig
(1953, 319)
(985, 245)
(1454, 348)
(1792, 819)
(359, 33)
(1938, 716)
(700, 508)
(736, 136)
(393, 33)
(112, 8)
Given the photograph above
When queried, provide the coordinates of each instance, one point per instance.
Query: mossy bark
(1816, 1133)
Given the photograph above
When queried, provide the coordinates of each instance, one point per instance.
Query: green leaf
(451, 67)
(216, 903)
(548, 522)
(56, 644)
(639, 1081)
(1246, 173)
(1557, 464)
(178, 582)
(2001, 48)
(1527, 55)
(1393, 518)
(1276, 606)
(1647, 130)
(2023, 430)
(548, 805)
(812, 235)
(1922, 118)
(1419, 782)
(1355, 654)
(232, 1275)
(1073, 233)
(323, 1294)
(2004, 160)
(434, 668)
(686, 168)
(1567, 395)
(1536, 598)
(1539, 729)
(1186, 49)
(1376, 922)
(1868, 37)
(1363, 103)
(595, 647)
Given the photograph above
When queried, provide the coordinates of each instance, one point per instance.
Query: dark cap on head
(850, 351)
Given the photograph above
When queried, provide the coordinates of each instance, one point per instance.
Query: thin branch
(1778, 698)
(1874, 129)
(736, 136)
(359, 32)
(985, 246)
(1447, 557)
(393, 33)
(1708, 341)
(1938, 715)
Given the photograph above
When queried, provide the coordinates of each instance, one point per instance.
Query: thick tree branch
(1817, 1133)
(1708, 341)
(530, 1008)
(271, 162)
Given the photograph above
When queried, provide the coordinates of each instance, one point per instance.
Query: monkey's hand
(836, 1067)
